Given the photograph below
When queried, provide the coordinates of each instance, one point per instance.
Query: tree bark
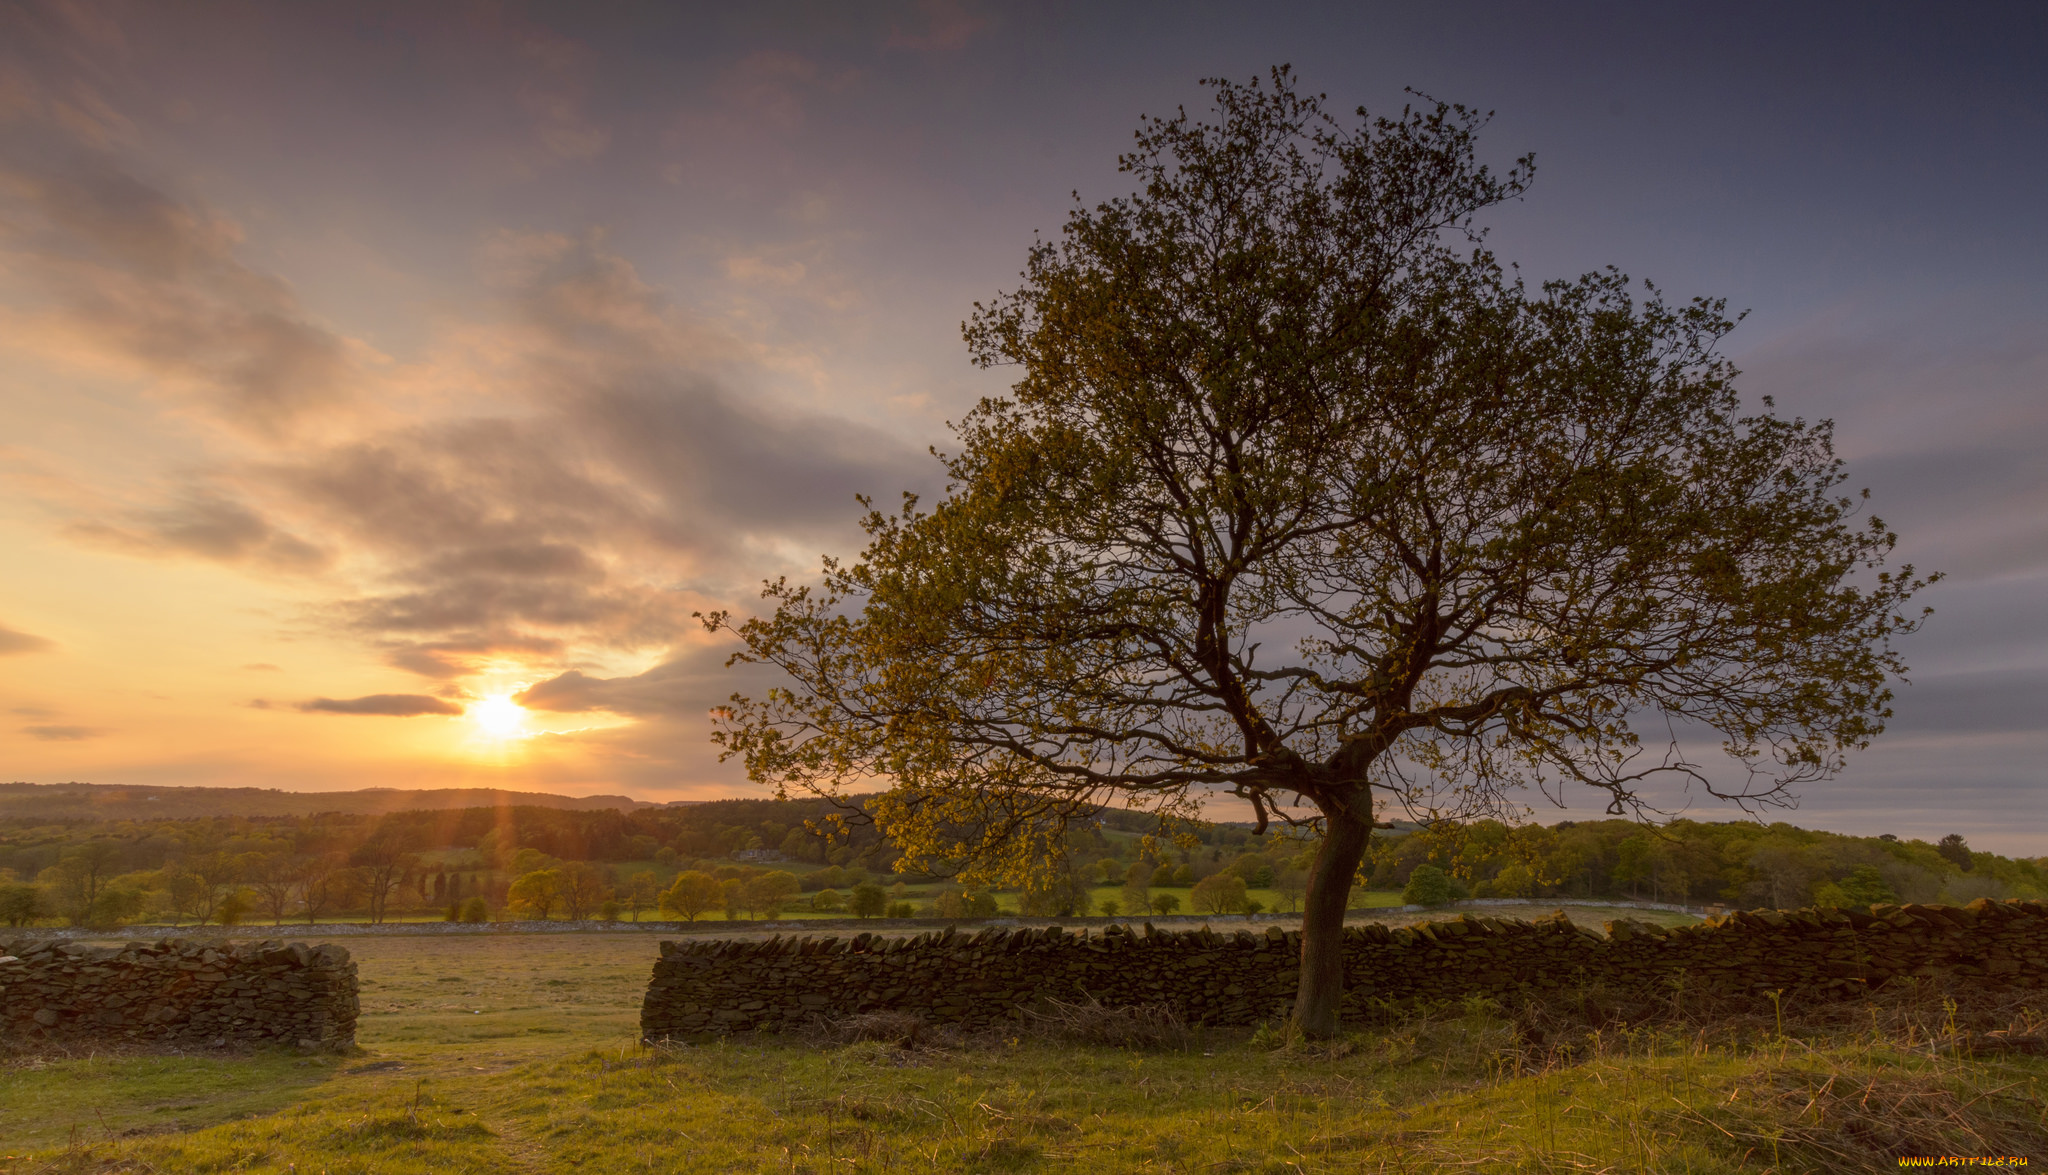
(1347, 830)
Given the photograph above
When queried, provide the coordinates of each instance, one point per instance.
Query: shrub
(232, 909)
(1165, 903)
(868, 901)
(1431, 886)
(902, 910)
(21, 905)
(1164, 875)
(476, 910)
(454, 912)
(1109, 907)
(1184, 875)
(1219, 893)
(827, 900)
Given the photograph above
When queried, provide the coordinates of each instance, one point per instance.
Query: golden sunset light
(500, 717)
(968, 548)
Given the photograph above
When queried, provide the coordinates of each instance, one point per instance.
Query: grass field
(517, 1053)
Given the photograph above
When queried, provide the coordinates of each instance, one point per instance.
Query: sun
(500, 716)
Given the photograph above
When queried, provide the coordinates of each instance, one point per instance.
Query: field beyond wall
(517, 1053)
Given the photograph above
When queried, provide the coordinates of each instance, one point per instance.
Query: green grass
(517, 1054)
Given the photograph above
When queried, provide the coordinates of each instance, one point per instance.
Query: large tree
(1300, 497)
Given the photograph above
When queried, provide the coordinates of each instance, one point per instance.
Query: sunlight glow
(499, 716)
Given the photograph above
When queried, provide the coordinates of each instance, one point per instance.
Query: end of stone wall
(176, 992)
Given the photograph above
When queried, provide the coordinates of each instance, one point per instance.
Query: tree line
(762, 858)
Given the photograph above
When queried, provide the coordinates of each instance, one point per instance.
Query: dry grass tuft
(1140, 1026)
(903, 1030)
(1803, 1119)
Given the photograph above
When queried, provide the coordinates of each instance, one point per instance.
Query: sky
(364, 367)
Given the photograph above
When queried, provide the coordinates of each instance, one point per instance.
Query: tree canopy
(1301, 496)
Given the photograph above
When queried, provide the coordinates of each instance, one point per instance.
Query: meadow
(519, 1053)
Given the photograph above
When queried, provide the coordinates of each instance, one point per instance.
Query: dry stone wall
(989, 979)
(176, 992)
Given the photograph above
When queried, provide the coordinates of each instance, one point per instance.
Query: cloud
(63, 734)
(134, 280)
(687, 685)
(12, 643)
(206, 523)
(388, 705)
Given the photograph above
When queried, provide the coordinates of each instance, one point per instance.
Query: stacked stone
(990, 979)
(177, 992)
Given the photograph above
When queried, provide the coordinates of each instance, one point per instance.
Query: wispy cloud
(63, 734)
(387, 705)
(13, 643)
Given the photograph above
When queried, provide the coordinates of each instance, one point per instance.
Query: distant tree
(641, 892)
(692, 894)
(322, 881)
(1430, 886)
(1219, 893)
(827, 901)
(476, 910)
(384, 862)
(582, 889)
(1136, 896)
(233, 906)
(1165, 903)
(274, 879)
(1108, 907)
(733, 892)
(82, 869)
(1289, 885)
(1956, 850)
(22, 904)
(766, 894)
(869, 901)
(538, 893)
(1280, 387)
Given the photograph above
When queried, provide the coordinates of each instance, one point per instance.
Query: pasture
(518, 1053)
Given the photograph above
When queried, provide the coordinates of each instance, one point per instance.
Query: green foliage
(536, 894)
(476, 910)
(22, 905)
(1864, 886)
(692, 894)
(1219, 893)
(765, 895)
(869, 901)
(1956, 851)
(1431, 886)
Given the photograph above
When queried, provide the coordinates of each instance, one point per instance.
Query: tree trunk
(1347, 831)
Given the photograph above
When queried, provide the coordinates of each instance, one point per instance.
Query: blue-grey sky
(365, 352)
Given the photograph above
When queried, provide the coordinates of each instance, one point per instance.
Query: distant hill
(98, 801)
